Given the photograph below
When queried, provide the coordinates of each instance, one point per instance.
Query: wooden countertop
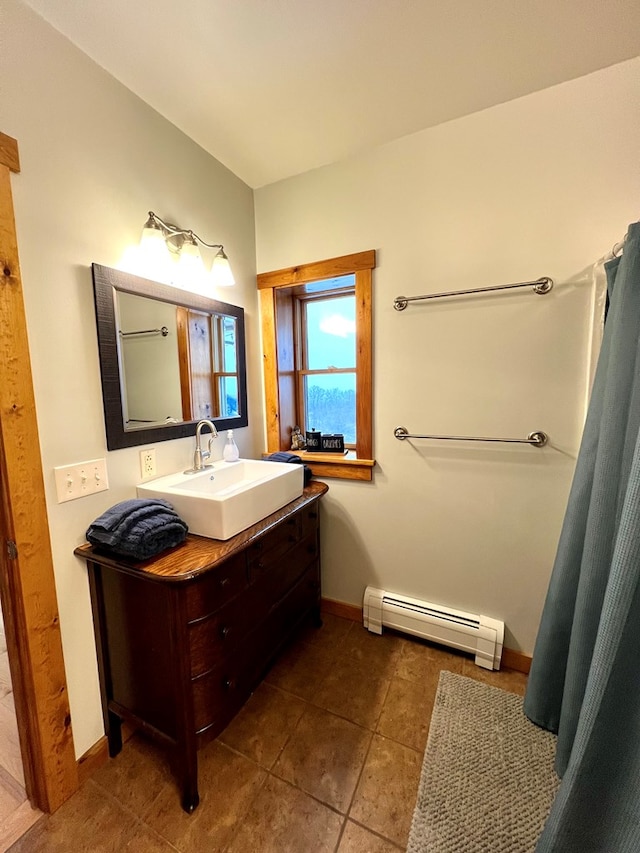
(197, 554)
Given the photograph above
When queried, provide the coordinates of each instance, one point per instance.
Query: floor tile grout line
(129, 811)
(235, 750)
(239, 822)
(355, 790)
(270, 772)
(308, 794)
(376, 833)
(357, 785)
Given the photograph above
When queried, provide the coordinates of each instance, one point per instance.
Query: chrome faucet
(199, 454)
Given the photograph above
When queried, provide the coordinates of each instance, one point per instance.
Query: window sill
(337, 466)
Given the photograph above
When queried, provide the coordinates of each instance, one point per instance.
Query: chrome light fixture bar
(158, 236)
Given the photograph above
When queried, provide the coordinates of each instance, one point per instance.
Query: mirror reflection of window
(226, 367)
(208, 347)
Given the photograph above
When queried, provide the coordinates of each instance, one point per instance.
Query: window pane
(228, 396)
(331, 332)
(229, 349)
(330, 404)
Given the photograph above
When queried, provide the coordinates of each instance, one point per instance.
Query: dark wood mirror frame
(107, 280)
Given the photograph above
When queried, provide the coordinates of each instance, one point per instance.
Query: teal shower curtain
(585, 677)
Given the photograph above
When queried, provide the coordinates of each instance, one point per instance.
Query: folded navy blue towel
(138, 528)
(283, 456)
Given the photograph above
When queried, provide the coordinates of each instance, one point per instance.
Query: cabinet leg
(114, 734)
(190, 802)
(316, 617)
(188, 775)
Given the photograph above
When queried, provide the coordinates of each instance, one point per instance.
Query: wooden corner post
(27, 586)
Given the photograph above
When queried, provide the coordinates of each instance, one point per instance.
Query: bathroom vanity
(184, 638)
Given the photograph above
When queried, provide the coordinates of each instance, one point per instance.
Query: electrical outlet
(148, 463)
(81, 479)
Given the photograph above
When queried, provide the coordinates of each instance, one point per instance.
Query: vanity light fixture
(160, 237)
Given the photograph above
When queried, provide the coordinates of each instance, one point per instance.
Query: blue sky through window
(331, 343)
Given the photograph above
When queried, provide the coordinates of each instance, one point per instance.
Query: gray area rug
(487, 780)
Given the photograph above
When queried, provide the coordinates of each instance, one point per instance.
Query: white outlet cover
(148, 463)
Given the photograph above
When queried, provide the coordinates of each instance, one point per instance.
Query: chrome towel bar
(536, 438)
(163, 331)
(541, 286)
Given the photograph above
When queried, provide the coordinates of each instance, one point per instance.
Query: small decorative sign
(313, 440)
(332, 443)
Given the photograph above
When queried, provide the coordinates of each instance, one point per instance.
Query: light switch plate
(81, 479)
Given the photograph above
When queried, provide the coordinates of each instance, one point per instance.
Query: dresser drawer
(272, 578)
(300, 600)
(283, 618)
(219, 694)
(218, 634)
(270, 547)
(210, 593)
(309, 520)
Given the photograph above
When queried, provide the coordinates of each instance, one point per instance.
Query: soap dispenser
(230, 452)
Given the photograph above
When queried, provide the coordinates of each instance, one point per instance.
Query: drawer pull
(291, 521)
(311, 549)
(228, 684)
(313, 515)
(224, 632)
(260, 565)
(224, 581)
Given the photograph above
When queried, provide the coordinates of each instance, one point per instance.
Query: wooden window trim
(276, 292)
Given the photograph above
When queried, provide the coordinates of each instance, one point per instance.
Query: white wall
(95, 160)
(540, 186)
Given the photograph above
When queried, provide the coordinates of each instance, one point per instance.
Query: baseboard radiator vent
(479, 635)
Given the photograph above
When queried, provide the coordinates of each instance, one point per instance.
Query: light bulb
(190, 267)
(154, 254)
(221, 274)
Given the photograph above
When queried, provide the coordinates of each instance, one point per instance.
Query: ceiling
(273, 88)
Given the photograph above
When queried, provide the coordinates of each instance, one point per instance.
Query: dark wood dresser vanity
(184, 638)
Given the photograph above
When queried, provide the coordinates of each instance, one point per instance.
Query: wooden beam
(27, 585)
(9, 156)
(318, 270)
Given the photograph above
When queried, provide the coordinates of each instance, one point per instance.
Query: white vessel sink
(228, 497)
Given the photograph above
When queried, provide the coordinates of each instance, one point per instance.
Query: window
(326, 361)
(316, 330)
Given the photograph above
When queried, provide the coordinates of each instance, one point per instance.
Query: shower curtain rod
(540, 286)
(536, 438)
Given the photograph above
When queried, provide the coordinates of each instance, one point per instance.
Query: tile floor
(325, 756)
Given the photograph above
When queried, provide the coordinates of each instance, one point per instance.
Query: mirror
(168, 358)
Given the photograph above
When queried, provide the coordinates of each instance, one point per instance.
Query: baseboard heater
(479, 635)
